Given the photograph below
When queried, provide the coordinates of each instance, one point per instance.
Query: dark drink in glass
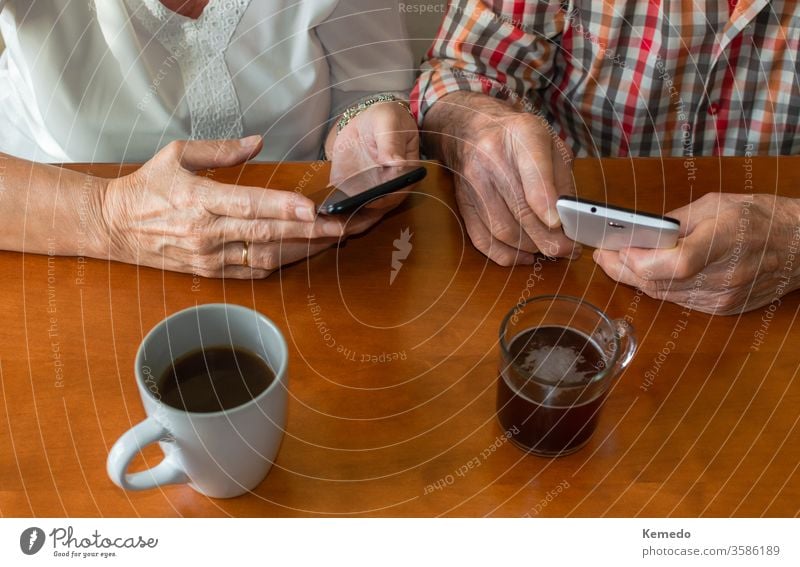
(558, 358)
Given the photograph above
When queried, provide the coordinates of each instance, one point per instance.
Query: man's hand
(509, 170)
(737, 252)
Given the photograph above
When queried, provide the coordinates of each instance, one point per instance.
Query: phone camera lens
(594, 209)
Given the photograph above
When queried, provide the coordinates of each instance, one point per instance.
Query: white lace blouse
(115, 80)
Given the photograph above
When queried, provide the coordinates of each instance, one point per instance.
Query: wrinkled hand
(165, 216)
(509, 170)
(736, 253)
(384, 134)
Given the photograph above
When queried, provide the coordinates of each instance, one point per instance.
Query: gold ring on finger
(245, 254)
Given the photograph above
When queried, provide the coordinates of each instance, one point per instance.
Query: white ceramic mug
(220, 454)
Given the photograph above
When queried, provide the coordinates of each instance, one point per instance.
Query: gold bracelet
(357, 109)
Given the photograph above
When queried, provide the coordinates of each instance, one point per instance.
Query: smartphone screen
(365, 187)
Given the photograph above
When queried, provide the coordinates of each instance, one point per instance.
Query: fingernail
(553, 220)
(332, 228)
(595, 255)
(304, 213)
(250, 141)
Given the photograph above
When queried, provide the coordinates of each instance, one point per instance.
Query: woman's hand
(166, 217)
(737, 252)
(384, 134)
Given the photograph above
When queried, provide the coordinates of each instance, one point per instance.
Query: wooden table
(392, 391)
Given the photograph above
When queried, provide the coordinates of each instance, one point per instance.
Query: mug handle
(627, 338)
(168, 471)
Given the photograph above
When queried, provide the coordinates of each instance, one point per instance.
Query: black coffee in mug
(214, 379)
(563, 361)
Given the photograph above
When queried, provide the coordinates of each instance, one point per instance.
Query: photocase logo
(31, 540)
(402, 248)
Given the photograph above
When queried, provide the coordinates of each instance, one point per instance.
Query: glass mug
(559, 356)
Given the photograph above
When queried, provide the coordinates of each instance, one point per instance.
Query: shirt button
(713, 108)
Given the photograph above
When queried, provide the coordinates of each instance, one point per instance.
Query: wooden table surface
(392, 385)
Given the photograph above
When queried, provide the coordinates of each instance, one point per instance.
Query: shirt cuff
(438, 79)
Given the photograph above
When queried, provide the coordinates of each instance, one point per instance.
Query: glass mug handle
(626, 335)
(168, 471)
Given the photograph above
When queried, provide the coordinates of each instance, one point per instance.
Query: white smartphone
(610, 228)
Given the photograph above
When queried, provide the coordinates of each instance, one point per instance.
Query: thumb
(533, 153)
(390, 140)
(691, 215)
(701, 247)
(204, 154)
(391, 147)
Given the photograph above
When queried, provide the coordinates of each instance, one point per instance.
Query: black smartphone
(370, 184)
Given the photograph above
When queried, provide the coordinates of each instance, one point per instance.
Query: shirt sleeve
(367, 50)
(503, 48)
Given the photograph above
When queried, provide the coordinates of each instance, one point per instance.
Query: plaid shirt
(630, 77)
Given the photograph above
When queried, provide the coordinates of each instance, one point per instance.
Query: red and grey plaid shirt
(631, 77)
